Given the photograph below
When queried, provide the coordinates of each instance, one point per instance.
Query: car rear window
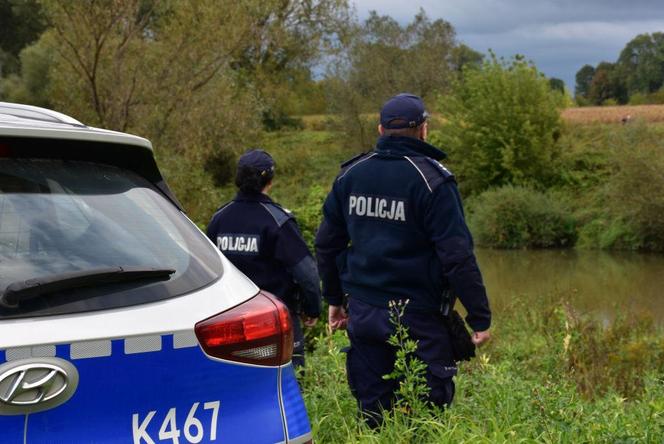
(67, 216)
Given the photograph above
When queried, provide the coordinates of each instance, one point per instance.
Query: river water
(596, 282)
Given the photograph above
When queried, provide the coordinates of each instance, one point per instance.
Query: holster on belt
(463, 348)
(462, 345)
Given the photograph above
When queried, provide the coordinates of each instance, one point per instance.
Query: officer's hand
(337, 317)
(309, 321)
(480, 337)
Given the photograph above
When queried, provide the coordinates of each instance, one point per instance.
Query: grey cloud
(488, 16)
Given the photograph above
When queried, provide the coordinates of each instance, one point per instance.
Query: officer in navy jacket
(394, 230)
(262, 240)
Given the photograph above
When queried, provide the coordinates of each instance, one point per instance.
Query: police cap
(257, 159)
(403, 111)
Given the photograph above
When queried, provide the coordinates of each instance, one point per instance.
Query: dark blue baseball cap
(257, 159)
(403, 111)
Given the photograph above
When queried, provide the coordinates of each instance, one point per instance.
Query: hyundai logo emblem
(35, 384)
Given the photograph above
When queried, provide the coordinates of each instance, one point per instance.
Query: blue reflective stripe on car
(139, 397)
(297, 422)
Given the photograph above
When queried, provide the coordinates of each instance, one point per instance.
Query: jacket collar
(252, 197)
(407, 146)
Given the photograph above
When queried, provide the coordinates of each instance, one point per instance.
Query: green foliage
(656, 98)
(639, 71)
(501, 125)
(529, 384)
(309, 214)
(21, 23)
(642, 63)
(517, 217)
(636, 190)
(638, 99)
(557, 84)
(31, 84)
(584, 78)
(613, 178)
(284, 40)
(607, 85)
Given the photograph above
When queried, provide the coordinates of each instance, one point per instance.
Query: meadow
(614, 114)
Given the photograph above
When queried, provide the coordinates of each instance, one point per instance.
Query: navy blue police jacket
(263, 241)
(394, 229)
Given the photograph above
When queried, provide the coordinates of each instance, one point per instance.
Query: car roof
(31, 121)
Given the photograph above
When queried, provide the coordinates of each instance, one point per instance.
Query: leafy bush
(621, 192)
(517, 217)
(502, 124)
(636, 190)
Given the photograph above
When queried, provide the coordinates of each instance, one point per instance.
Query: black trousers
(370, 357)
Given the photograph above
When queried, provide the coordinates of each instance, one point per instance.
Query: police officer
(262, 240)
(394, 230)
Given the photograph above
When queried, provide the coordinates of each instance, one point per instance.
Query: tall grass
(549, 375)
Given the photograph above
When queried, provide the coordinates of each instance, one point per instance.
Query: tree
(380, 58)
(502, 122)
(21, 23)
(584, 78)
(289, 37)
(642, 63)
(31, 85)
(465, 57)
(607, 83)
(557, 84)
(389, 58)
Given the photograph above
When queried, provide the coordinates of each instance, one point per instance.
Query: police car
(119, 320)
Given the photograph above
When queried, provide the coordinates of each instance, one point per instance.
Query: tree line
(636, 77)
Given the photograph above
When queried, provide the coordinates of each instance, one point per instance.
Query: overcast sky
(560, 36)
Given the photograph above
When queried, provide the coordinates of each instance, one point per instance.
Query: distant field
(614, 114)
(588, 114)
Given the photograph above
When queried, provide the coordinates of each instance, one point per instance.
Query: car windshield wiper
(20, 291)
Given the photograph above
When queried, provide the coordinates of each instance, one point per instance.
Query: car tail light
(258, 331)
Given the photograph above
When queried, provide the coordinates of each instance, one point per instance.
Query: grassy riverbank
(547, 376)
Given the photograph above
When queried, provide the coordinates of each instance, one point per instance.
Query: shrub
(636, 190)
(502, 122)
(624, 210)
(517, 217)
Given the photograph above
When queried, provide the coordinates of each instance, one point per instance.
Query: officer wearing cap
(262, 240)
(394, 230)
